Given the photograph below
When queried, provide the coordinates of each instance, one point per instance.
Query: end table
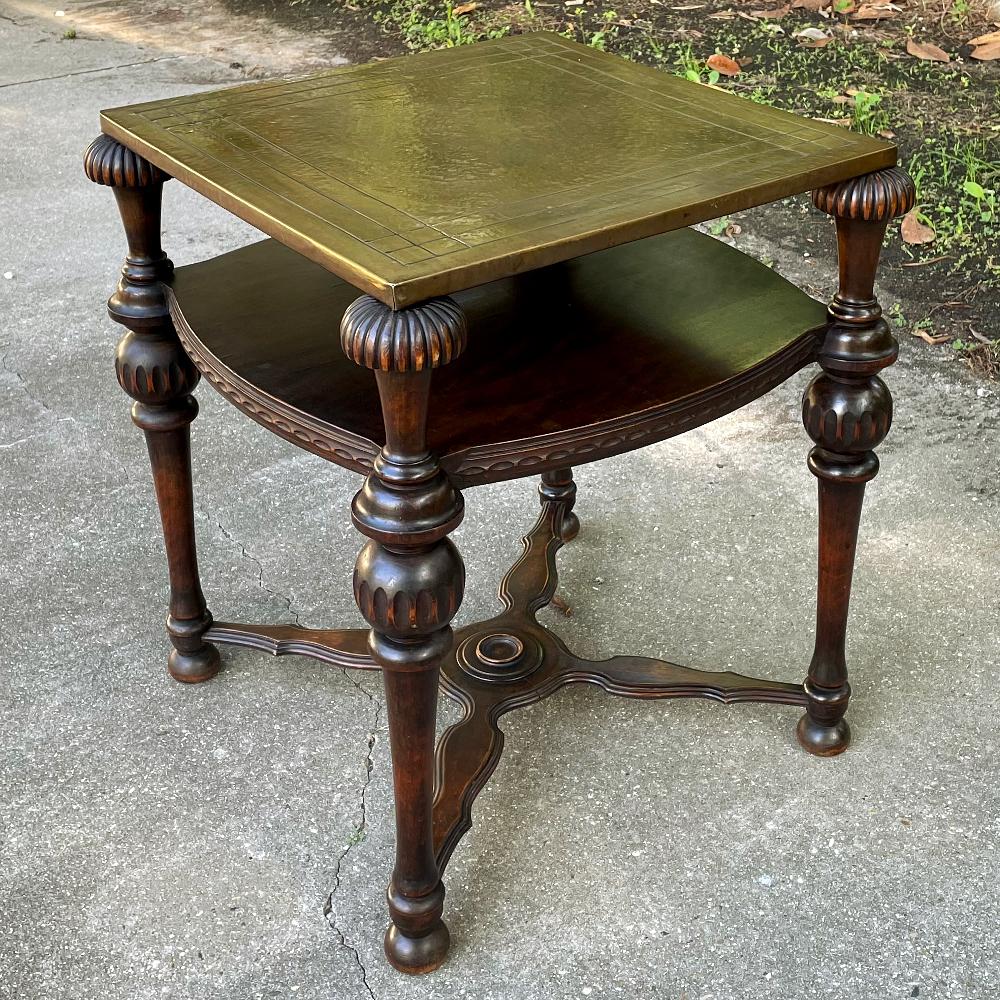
(499, 233)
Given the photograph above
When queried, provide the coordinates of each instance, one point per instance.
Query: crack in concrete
(85, 72)
(357, 836)
(360, 829)
(60, 417)
(30, 437)
(24, 385)
(228, 535)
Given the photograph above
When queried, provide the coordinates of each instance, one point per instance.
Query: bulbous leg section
(570, 526)
(821, 740)
(153, 370)
(847, 411)
(558, 487)
(417, 940)
(408, 584)
(192, 660)
(823, 730)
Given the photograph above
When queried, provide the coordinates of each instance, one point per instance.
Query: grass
(945, 117)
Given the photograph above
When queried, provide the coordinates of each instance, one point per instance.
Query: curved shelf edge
(333, 443)
(652, 359)
(502, 460)
(580, 445)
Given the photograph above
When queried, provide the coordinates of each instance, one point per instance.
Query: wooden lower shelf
(565, 365)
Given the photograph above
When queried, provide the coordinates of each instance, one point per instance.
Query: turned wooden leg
(154, 370)
(408, 583)
(559, 485)
(847, 411)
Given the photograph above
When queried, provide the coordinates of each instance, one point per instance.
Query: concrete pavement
(233, 840)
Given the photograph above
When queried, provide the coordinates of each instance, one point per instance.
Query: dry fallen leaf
(930, 339)
(723, 64)
(988, 39)
(874, 12)
(813, 38)
(914, 231)
(985, 53)
(464, 8)
(927, 50)
(773, 13)
(813, 5)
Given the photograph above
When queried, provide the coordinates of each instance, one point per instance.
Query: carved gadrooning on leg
(847, 411)
(406, 340)
(876, 197)
(408, 583)
(153, 369)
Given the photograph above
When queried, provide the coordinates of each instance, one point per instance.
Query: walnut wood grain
(409, 579)
(470, 750)
(153, 369)
(346, 647)
(847, 411)
(542, 353)
(404, 340)
(562, 367)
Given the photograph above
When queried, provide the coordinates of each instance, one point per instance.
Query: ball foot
(194, 668)
(820, 740)
(415, 956)
(570, 526)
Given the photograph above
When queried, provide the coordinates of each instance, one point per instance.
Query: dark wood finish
(558, 485)
(540, 360)
(512, 661)
(154, 370)
(564, 366)
(847, 411)
(408, 583)
(342, 647)
(507, 662)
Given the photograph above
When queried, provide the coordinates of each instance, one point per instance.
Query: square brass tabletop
(427, 174)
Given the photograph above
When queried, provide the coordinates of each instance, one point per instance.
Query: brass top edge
(375, 173)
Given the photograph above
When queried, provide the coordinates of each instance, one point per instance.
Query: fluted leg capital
(418, 338)
(109, 162)
(876, 197)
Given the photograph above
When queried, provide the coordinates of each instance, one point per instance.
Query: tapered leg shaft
(847, 411)
(408, 583)
(417, 939)
(154, 370)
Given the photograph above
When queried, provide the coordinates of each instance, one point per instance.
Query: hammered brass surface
(428, 174)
